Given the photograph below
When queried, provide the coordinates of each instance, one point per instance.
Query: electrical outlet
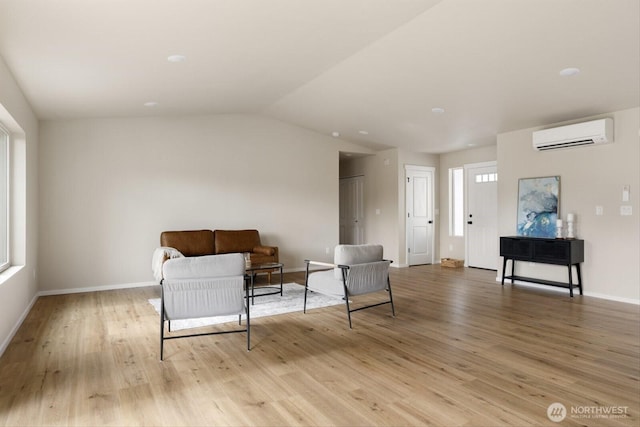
(626, 210)
(625, 193)
(599, 210)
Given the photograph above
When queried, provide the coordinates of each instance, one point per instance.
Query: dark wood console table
(569, 252)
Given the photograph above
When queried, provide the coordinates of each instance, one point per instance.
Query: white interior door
(419, 201)
(481, 226)
(352, 210)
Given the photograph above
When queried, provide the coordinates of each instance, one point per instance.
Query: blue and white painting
(538, 206)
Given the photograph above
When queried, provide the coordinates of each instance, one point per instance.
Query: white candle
(570, 217)
(559, 223)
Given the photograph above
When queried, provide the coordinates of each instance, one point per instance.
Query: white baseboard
(566, 291)
(399, 265)
(613, 298)
(17, 325)
(96, 288)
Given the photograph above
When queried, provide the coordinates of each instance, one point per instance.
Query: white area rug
(292, 299)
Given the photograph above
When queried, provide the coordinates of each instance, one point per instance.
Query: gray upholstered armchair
(356, 270)
(205, 286)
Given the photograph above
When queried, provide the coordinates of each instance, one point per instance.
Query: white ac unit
(587, 133)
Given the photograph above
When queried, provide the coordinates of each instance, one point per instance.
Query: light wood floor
(462, 351)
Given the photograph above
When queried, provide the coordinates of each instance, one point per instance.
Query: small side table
(251, 271)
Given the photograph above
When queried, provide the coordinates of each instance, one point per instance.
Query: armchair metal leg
(346, 295)
(304, 306)
(161, 324)
(348, 313)
(248, 332)
(393, 309)
(247, 308)
(306, 289)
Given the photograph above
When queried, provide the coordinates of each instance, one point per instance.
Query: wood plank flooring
(461, 351)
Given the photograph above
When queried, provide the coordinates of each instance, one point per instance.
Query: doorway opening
(352, 211)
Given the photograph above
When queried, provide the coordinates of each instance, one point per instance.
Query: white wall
(109, 187)
(18, 287)
(589, 177)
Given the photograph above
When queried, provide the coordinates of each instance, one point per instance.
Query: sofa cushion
(264, 250)
(229, 241)
(262, 259)
(189, 243)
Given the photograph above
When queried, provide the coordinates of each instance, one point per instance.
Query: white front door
(419, 201)
(352, 210)
(481, 226)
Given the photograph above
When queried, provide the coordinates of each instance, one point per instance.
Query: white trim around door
(419, 215)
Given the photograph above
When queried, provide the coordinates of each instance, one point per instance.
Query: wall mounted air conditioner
(587, 133)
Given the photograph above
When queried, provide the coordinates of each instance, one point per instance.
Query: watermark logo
(556, 412)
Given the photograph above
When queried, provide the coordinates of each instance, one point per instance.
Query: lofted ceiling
(371, 70)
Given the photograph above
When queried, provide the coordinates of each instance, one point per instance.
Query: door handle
(430, 222)
(469, 222)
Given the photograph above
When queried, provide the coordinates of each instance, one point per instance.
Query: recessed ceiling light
(335, 134)
(437, 110)
(571, 71)
(150, 104)
(176, 58)
(363, 132)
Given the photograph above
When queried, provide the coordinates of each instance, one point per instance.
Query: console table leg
(579, 278)
(504, 269)
(513, 269)
(570, 282)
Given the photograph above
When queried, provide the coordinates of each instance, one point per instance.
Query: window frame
(456, 202)
(5, 175)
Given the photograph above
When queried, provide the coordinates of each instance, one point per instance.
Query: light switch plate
(626, 210)
(599, 210)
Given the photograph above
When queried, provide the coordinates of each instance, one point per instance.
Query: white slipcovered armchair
(356, 270)
(206, 286)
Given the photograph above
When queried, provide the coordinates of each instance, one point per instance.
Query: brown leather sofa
(208, 242)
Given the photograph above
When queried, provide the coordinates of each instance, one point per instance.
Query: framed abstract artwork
(538, 206)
